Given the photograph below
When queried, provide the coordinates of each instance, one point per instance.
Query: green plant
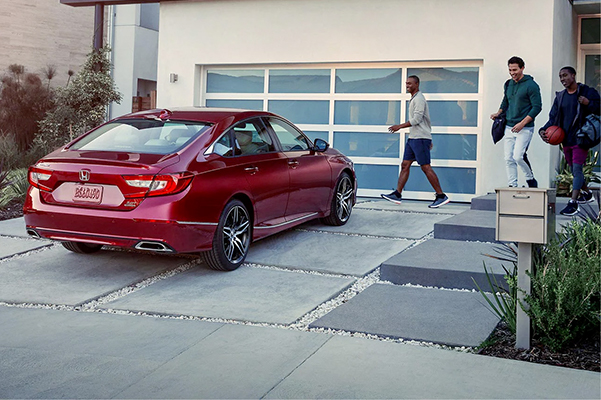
(503, 302)
(16, 188)
(566, 284)
(564, 176)
(81, 105)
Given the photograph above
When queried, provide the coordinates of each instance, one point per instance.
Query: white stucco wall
(334, 31)
(135, 54)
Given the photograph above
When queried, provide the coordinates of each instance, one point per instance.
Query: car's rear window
(142, 136)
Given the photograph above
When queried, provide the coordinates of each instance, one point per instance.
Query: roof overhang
(81, 3)
(586, 6)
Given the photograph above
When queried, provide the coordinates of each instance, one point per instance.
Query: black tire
(81, 248)
(342, 201)
(232, 238)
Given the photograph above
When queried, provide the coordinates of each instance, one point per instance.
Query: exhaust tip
(153, 246)
(33, 233)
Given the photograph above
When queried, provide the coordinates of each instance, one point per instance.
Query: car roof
(201, 114)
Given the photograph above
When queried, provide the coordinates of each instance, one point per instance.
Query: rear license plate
(87, 194)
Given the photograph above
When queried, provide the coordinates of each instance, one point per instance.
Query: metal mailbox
(525, 215)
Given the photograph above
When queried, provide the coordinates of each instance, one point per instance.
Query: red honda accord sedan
(188, 180)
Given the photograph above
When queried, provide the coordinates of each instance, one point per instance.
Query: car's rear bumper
(131, 229)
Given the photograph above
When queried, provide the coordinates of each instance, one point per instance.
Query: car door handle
(251, 170)
(293, 163)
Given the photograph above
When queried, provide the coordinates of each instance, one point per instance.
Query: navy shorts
(418, 149)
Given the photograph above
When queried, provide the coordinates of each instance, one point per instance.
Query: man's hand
(543, 135)
(518, 127)
(495, 115)
(395, 128)
(583, 100)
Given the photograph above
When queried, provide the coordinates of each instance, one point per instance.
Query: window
(290, 138)
(251, 137)
(141, 136)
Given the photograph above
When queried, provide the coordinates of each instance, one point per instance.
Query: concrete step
(473, 225)
(447, 263)
(488, 202)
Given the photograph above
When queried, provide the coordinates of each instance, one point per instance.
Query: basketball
(555, 135)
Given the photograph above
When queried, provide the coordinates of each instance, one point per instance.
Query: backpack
(589, 134)
(498, 126)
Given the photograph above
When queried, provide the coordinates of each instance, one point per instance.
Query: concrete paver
(325, 252)
(456, 318)
(247, 294)
(10, 246)
(351, 368)
(58, 276)
(446, 263)
(384, 223)
(13, 227)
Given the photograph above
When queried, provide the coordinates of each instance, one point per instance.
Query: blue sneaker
(440, 200)
(585, 197)
(571, 209)
(394, 197)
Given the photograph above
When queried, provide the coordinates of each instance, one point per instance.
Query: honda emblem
(84, 175)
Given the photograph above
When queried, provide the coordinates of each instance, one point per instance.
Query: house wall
(44, 32)
(243, 32)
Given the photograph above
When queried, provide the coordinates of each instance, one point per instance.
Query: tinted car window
(141, 136)
(290, 138)
(251, 137)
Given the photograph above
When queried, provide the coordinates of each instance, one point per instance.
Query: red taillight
(158, 185)
(38, 176)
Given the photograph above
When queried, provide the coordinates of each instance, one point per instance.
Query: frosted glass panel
(446, 80)
(452, 180)
(299, 81)
(452, 112)
(383, 177)
(382, 80)
(235, 81)
(364, 144)
(367, 112)
(317, 134)
(454, 147)
(302, 111)
(244, 104)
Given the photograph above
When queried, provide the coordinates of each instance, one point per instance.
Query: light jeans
(515, 147)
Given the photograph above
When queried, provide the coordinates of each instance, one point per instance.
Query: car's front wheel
(82, 248)
(342, 201)
(232, 238)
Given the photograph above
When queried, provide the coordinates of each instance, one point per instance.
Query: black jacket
(556, 117)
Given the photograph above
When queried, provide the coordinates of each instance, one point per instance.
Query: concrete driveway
(306, 317)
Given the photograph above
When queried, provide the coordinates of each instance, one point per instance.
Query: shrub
(16, 188)
(24, 101)
(565, 301)
(81, 105)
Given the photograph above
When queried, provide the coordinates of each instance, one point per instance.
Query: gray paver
(412, 206)
(449, 317)
(107, 335)
(58, 276)
(446, 263)
(393, 224)
(248, 294)
(475, 225)
(352, 368)
(236, 362)
(13, 227)
(325, 252)
(10, 246)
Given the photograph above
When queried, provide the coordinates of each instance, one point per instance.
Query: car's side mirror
(320, 145)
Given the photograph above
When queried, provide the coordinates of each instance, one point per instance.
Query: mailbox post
(525, 216)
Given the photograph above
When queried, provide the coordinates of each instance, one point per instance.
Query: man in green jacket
(521, 104)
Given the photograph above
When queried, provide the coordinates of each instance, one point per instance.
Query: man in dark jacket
(570, 108)
(521, 104)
